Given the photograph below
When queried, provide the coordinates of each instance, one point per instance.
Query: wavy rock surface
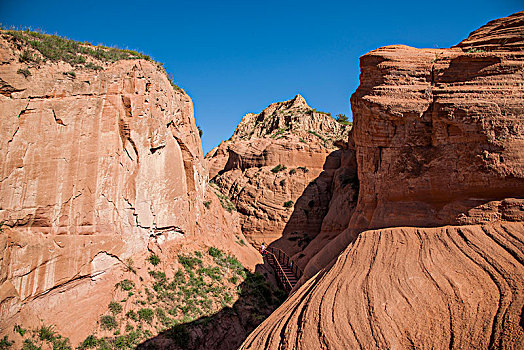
(432, 256)
(96, 166)
(456, 287)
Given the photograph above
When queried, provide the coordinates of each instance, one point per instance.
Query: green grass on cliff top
(55, 48)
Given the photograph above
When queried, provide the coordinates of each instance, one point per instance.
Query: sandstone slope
(100, 162)
(456, 287)
(439, 141)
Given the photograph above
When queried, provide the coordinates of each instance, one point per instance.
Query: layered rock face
(433, 252)
(278, 170)
(457, 287)
(97, 166)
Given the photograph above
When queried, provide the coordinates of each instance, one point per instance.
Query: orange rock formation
(97, 166)
(432, 256)
(278, 170)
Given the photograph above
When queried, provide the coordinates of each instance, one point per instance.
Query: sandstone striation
(432, 252)
(99, 163)
(456, 287)
(278, 170)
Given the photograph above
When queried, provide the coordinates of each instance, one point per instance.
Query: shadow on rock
(226, 329)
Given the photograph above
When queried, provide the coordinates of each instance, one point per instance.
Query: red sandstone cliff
(100, 162)
(278, 169)
(432, 256)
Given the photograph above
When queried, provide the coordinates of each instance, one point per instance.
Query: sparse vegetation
(342, 119)
(312, 132)
(209, 281)
(292, 171)
(288, 204)
(153, 259)
(5, 344)
(115, 307)
(200, 132)
(25, 72)
(129, 266)
(278, 132)
(126, 284)
(44, 47)
(18, 329)
(146, 314)
(224, 200)
(55, 48)
(46, 333)
(207, 204)
(303, 168)
(108, 322)
(278, 168)
(314, 110)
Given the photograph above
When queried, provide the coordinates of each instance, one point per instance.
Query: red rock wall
(432, 254)
(95, 169)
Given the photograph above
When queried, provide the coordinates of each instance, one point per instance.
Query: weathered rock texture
(278, 170)
(96, 166)
(457, 287)
(439, 141)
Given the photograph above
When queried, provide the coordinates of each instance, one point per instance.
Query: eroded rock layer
(97, 165)
(278, 170)
(456, 287)
(433, 252)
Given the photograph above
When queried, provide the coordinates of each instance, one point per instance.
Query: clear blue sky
(235, 57)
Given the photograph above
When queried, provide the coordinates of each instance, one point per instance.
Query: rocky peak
(294, 115)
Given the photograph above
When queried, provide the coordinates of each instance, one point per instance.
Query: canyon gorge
(407, 224)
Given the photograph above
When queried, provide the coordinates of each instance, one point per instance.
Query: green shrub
(132, 315)
(474, 50)
(146, 314)
(215, 252)
(288, 204)
(28, 56)
(129, 266)
(19, 330)
(154, 259)
(292, 171)
(29, 345)
(70, 74)
(200, 132)
(303, 168)
(212, 272)
(278, 168)
(317, 135)
(89, 343)
(91, 65)
(5, 344)
(24, 72)
(126, 284)
(60, 343)
(115, 307)
(207, 204)
(189, 262)
(46, 333)
(342, 119)
(108, 322)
